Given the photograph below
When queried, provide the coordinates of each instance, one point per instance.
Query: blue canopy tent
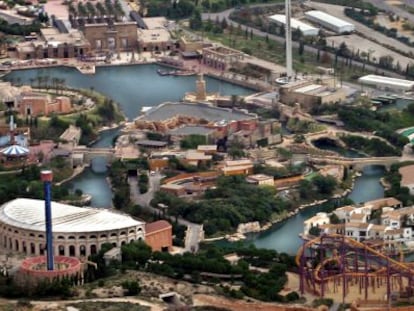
(14, 151)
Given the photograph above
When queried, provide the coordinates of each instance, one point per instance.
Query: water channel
(284, 237)
(136, 86)
(133, 87)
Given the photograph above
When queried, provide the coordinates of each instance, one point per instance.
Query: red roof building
(158, 235)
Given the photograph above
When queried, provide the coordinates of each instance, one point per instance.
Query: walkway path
(153, 306)
(78, 170)
(193, 233)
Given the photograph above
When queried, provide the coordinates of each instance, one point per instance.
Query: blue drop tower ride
(47, 177)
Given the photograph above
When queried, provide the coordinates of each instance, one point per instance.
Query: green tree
(136, 254)
(193, 141)
(224, 24)
(334, 219)
(301, 47)
(324, 185)
(132, 287)
(195, 20)
(315, 231)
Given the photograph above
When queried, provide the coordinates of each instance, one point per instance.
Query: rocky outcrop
(249, 227)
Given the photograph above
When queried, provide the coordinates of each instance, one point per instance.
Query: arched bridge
(85, 155)
(356, 163)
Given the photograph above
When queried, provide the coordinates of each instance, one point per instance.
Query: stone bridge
(356, 163)
(82, 155)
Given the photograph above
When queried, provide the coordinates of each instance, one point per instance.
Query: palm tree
(62, 84)
(109, 7)
(91, 9)
(101, 9)
(118, 9)
(82, 10)
(55, 82)
(46, 82)
(72, 11)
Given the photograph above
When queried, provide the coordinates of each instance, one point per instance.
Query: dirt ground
(355, 42)
(393, 2)
(152, 286)
(241, 305)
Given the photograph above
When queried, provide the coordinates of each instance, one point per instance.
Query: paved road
(192, 238)
(154, 306)
(225, 14)
(193, 233)
(334, 307)
(384, 5)
(144, 199)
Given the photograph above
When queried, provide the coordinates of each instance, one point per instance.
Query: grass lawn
(311, 176)
(400, 119)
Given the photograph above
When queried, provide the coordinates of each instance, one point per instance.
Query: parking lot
(367, 32)
(355, 42)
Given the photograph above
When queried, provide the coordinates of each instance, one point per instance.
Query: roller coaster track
(400, 266)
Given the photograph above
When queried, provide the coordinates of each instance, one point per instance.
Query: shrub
(132, 287)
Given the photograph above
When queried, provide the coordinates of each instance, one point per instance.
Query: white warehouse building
(330, 22)
(387, 83)
(307, 30)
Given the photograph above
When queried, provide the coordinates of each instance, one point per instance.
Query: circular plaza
(77, 231)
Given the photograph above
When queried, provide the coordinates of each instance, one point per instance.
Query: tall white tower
(288, 30)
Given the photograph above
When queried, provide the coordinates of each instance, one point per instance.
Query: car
(152, 173)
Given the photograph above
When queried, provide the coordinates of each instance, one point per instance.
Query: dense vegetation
(185, 9)
(17, 29)
(374, 147)
(299, 126)
(119, 180)
(143, 181)
(170, 9)
(319, 187)
(279, 172)
(177, 166)
(393, 178)
(222, 209)
(192, 141)
(383, 124)
(27, 184)
(210, 265)
(49, 129)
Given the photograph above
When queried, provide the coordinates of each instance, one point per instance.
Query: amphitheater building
(77, 231)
